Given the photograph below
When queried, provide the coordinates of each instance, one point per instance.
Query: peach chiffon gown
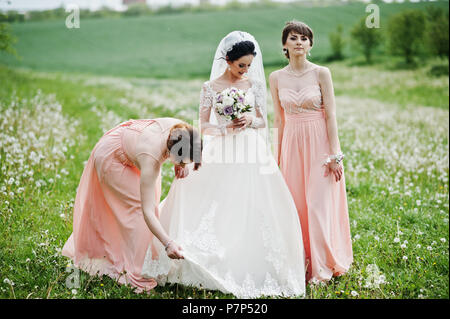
(110, 235)
(321, 201)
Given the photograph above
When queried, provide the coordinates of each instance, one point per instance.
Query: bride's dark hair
(241, 49)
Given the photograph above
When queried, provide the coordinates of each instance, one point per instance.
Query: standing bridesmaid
(309, 155)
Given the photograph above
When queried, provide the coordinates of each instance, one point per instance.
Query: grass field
(178, 45)
(393, 128)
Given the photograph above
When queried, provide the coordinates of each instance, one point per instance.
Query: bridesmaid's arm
(326, 85)
(150, 168)
(278, 122)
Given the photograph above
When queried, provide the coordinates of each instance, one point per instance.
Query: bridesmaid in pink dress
(310, 156)
(116, 206)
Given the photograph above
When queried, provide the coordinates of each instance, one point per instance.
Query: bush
(406, 32)
(367, 39)
(437, 31)
(438, 70)
(6, 39)
(337, 43)
(12, 16)
(137, 9)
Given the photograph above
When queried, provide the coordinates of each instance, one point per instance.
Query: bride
(233, 224)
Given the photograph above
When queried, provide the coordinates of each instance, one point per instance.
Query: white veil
(255, 72)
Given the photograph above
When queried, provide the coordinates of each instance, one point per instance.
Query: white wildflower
(9, 282)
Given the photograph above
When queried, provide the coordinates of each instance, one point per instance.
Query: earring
(309, 53)
(284, 50)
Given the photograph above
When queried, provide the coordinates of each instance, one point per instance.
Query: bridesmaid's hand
(174, 251)
(333, 168)
(181, 171)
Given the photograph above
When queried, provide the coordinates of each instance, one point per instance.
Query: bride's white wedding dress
(234, 219)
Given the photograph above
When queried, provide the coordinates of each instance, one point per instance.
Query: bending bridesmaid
(116, 206)
(309, 155)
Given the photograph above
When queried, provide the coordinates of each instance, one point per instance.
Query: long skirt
(321, 201)
(110, 235)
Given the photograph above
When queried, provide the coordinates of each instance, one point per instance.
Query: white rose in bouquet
(228, 101)
(219, 107)
(231, 103)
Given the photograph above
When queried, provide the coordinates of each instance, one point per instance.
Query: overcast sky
(95, 4)
(92, 4)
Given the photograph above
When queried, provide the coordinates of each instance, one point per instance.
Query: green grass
(393, 128)
(382, 189)
(176, 45)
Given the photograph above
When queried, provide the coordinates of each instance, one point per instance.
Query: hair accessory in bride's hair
(255, 74)
(231, 40)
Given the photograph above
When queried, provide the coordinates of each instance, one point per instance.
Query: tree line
(142, 9)
(411, 33)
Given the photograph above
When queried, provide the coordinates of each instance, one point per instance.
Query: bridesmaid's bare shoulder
(273, 77)
(323, 70)
(275, 73)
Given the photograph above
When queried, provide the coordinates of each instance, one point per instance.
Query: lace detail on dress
(156, 268)
(209, 276)
(270, 286)
(258, 91)
(204, 237)
(207, 95)
(277, 254)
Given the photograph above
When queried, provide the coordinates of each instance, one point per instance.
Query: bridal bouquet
(231, 103)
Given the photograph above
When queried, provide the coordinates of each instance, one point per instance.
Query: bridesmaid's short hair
(241, 49)
(297, 27)
(185, 142)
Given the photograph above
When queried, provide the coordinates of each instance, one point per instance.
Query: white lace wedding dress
(234, 218)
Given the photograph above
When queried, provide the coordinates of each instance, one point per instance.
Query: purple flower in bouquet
(228, 110)
(231, 103)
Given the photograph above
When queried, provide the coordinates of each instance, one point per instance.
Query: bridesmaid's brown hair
(189, 138)
(297, 27)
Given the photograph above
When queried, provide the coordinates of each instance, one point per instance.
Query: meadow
(177, 45)
(393, 128)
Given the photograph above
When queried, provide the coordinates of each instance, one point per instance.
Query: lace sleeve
(260, 100)
(206, 103)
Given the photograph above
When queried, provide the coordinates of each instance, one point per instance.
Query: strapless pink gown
(321, 201)
(110, 235)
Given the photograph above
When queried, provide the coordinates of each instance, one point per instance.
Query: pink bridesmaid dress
(110, 235)
(321, 201)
